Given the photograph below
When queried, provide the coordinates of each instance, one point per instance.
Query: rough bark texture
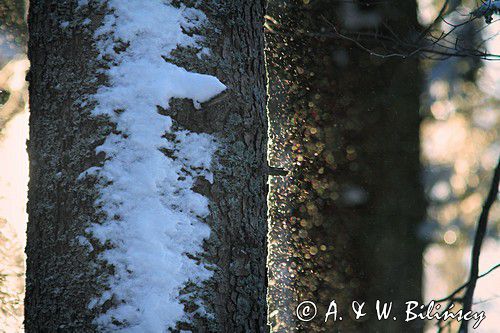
(61, 276)
(347, 219)
(237, 247)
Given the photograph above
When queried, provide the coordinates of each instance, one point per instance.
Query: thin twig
(462, 287)
(438, 17)
(478, 242)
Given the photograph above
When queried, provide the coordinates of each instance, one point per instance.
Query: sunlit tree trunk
(65, 272)
(349, 214)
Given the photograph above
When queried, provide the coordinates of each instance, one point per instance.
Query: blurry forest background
(335, 172)
(13, 163)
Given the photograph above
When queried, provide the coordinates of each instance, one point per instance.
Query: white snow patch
(153, 216)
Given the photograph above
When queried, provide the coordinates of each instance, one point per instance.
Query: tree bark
(62, 275)
(237, 293)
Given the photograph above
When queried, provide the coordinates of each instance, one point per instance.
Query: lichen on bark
(63, 274)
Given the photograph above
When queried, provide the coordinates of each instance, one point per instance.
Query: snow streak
(153, 216)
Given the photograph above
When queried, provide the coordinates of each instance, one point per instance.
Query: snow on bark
(154, 218)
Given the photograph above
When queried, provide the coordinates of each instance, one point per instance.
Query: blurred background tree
(460, 149)
(13, 163)
(344, 115)
(346, 126)
(12, 29)
(12, 46)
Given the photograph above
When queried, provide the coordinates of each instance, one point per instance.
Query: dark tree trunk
(237, 293)
(351, 146)
(62, 277)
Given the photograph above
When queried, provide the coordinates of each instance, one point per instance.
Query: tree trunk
(353, 199)
(89, 262)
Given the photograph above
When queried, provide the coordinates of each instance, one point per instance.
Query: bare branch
(462, 287)
(478, 242)
(424, 33)
(406, 49)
